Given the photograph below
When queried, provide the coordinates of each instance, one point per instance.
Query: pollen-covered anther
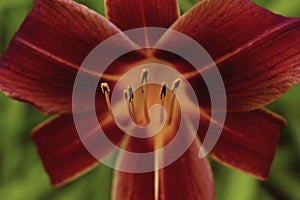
(106, 91)
(105, 88)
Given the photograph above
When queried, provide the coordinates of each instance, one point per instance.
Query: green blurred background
(22, 176)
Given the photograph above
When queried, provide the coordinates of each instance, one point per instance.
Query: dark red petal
(248, 141)
(187, 178)
(256, 51)
(43, 58)
(140, 13)
(63, 153)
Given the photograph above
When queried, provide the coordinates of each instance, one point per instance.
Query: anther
(129, 97)
(144, 80)
(105, 88)
(144, 76)
(176, 84)
(126, 95)
(106, 91)
(163, 90)
(130, 93)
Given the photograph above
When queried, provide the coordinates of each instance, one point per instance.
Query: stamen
(131, 106)
(126, 95)
(130, 93)
(175, 85)
(106, 91)
(163, 92)
(144, 80)
(144, 76)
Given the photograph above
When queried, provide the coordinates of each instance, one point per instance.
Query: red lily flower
(256, 51)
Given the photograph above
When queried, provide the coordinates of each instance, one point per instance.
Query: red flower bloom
(257, 53)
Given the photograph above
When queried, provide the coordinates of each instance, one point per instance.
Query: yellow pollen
(106, 91)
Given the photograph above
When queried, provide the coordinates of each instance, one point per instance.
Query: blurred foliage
(23, 177)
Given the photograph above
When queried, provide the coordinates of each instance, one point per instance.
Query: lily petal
(45, 54)
(139, 13)
(63, 154)
(133, 186)
(248, 141)
(187, 178)
(256, 51)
